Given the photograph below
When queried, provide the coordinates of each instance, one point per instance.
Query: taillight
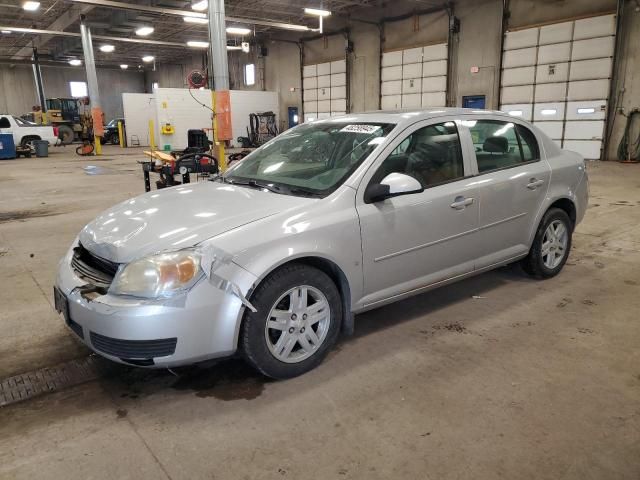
(55, 131)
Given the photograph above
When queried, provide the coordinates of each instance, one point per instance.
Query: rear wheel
(551, 245)
(297, 322)
(65, 134)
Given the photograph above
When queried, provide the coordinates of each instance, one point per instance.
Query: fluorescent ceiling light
(291, 26)
(515, 113)
(31, 6)
(548, 111)
(317, 12)
(195, 20)
(586, 110)
(197, 44)
(75, 62)
(6, 32)
(234, 47)
(124, 66)
(200, 6)
(144, 31)
(107, 48)
(148, 58)
(238, 30)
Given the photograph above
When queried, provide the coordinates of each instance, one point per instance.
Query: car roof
(410, 115)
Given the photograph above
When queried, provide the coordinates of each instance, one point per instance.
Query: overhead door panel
(552, 129)
(584, 130)
(552, 73)
(593, 48)
(568, 93)
(519, 58)
(588, 90)
(523, 110)
(600, 26)
(550, 92)
(413, 76)
(325, 89)
(520, 94)
(556, 33)
(557, 52)
(519, 76)
(521, 39)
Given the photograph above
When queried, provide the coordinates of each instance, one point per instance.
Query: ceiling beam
(99, 37)
(61, 23)
(189, 13)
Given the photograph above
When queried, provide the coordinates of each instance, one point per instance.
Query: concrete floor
(498, 376)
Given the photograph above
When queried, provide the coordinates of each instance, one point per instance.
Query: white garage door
(558, 77)
(324, 90)
(414, 78)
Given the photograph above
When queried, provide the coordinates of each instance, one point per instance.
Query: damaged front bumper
(194, 326)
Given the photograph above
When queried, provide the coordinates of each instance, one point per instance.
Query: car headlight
(161, 275)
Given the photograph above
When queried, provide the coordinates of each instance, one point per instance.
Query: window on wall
(78, 89)
(249, 74)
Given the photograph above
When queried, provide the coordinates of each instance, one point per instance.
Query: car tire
(551, 245)
(278, 350)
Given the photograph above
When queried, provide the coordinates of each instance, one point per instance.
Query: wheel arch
(564, 202)
(334, 272)
(27, 138)
(568, 206)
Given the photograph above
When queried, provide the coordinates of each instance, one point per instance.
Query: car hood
(179, 217)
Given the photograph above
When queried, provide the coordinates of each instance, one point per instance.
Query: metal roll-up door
(414, 77)
(559, 77)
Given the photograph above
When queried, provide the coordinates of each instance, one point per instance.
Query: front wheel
(551, 245)
(297, 322)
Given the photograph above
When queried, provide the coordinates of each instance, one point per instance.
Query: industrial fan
(197, 79)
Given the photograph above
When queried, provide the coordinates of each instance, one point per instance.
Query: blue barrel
(7, 146)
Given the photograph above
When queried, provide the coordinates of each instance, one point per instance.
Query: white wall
(244, 102)
(184, 112)
(139, 108)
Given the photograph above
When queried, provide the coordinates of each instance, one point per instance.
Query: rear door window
(500, 144)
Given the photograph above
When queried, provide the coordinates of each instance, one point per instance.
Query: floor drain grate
(49, 379)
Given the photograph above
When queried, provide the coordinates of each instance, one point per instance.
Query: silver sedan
(332, 218)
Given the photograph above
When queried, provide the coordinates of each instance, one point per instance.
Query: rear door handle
(534, 183)
(461, 202)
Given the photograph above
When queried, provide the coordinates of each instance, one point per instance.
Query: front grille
(93, 269)
(134, 349)
(76, 327)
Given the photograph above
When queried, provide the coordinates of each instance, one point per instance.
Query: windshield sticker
(361, 129)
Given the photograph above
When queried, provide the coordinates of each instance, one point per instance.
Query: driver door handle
(534, 183)
(461, 202)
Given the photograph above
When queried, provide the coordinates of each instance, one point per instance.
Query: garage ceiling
(64, 15)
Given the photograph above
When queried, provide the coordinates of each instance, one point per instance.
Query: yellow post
(222, 161)
(121, 134)
(98, 144)
(152, 138)
(44, 118)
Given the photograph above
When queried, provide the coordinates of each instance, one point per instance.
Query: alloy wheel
(298, 324)
(554, 244)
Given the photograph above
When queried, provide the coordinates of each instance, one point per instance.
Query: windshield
(315, 158)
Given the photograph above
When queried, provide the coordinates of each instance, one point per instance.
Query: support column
(37, 77)
(219, 71)
(92, 84)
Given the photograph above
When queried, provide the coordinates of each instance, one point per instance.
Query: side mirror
(393, 185)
